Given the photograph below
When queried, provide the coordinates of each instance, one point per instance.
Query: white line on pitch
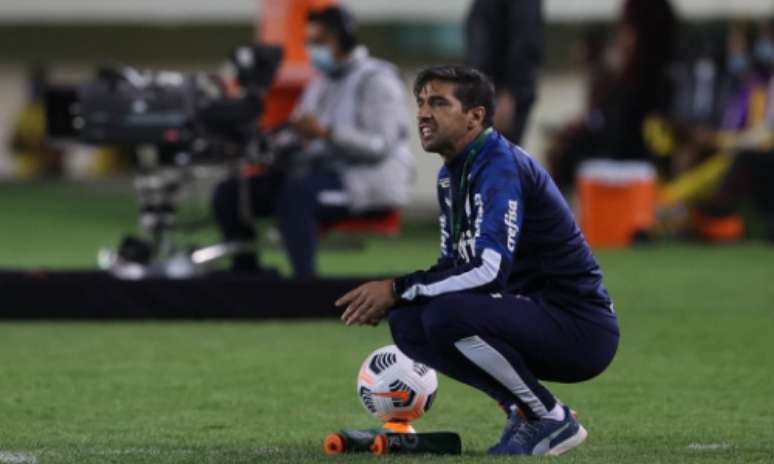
(708, 446)
(15, 457)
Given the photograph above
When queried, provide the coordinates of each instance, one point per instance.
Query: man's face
(441, 120)
(318, 36)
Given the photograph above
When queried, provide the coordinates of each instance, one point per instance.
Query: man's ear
(477, 115)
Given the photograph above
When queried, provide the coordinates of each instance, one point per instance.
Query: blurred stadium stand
(194, 34)
(371, 10)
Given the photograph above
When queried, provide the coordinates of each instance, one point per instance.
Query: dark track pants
(504, 345)
(299, 204)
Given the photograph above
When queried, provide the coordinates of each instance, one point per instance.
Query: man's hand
(368, 303)
(309, 127)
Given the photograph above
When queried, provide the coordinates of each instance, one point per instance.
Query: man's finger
(348, 297)
(364, 314)
(355, 314)
(352, 316)
(353, 307)
(358, 308)
(347, 314)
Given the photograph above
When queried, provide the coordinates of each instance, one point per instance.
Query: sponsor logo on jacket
(510, 223)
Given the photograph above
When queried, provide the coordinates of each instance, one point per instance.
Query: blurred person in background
(580, 135)
(716, 167)
(505, 42)
(637, 85)
(745, 140)
(748, 64)
(353, 156)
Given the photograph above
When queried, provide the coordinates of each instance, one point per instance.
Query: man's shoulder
(498, 154)
(504, 161)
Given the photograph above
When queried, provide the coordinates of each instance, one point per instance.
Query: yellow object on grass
(698, 182)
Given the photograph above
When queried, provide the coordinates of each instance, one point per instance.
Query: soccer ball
(395, 388)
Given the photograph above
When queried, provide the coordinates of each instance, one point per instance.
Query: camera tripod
(156, 253)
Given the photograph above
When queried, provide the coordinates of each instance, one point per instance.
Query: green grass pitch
(692, 381)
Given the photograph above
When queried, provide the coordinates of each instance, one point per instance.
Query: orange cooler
(616, 200)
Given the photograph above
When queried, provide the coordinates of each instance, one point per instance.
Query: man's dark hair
(472, 87)
(338, 21)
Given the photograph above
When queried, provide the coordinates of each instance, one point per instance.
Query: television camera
(172, 122)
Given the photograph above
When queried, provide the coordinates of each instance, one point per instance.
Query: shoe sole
(572, 442)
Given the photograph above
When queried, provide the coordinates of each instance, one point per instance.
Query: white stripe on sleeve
(476, 277)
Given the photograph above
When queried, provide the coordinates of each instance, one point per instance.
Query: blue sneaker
(546, 436)
(515, 419)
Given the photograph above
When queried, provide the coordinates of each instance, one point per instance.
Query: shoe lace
(526, 432)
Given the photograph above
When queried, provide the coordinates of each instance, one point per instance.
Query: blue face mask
(322, 58)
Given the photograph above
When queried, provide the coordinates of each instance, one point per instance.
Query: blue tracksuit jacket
(517, 235)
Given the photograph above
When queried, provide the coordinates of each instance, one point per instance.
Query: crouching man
(516, 296)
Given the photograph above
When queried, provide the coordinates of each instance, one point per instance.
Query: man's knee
(445, 319)
(406, 328)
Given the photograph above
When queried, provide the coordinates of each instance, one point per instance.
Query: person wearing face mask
(353, 157)
(744, 140)
(764, 46)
